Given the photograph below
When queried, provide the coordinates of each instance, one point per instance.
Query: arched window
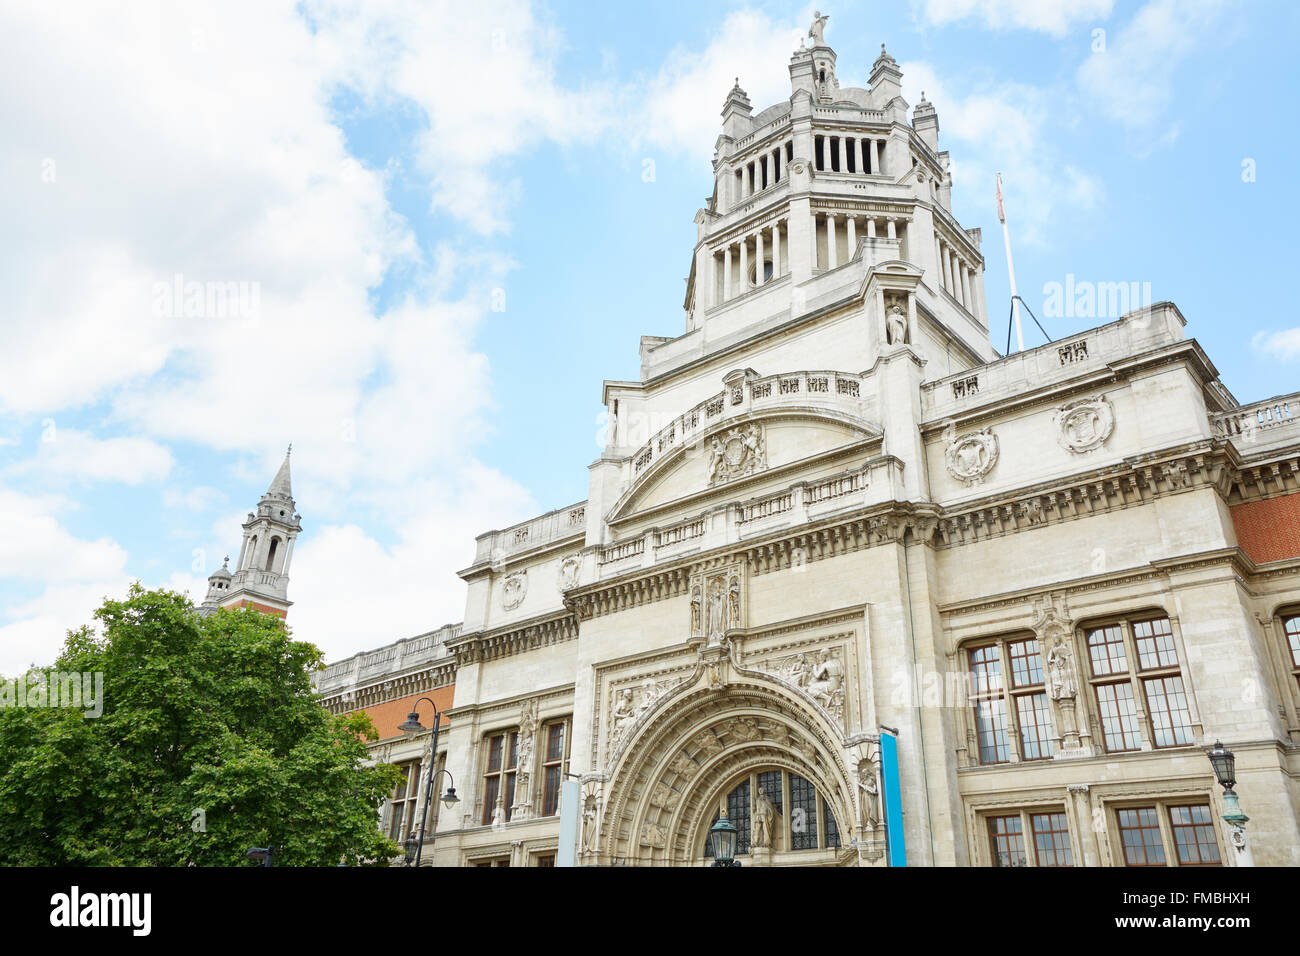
(809, 824)
(270, 554)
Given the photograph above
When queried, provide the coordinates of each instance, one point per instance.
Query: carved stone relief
(737, 453)
(630, 704)
(514, 589)
(971, 457)
(569, 569)
(1085, 425)
(717, 603)
(819, 674)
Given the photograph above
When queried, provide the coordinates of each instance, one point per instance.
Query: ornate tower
(261, 577)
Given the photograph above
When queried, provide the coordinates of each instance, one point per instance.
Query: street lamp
(1224, 762)
(264, 855)
(722, 836)
(412, 727)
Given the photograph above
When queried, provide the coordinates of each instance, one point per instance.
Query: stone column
(758, 257)
(761, 173)
(884, 158)
(862, 156)
(744, 264)
(726, 275)
(892, 229)
(776, 249)
(871, 228)
(831, 261)
(844, 166)
(956, 277)
(853, 238)
(875, 156)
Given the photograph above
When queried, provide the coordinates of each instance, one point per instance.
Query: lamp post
(722, 836)
(1224, 763)
(411, 727)
(264, 855)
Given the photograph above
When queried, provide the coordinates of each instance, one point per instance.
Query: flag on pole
(1002, 213)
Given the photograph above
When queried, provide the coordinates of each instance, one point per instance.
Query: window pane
(1106, 651)
(494, 753)
(1035, 726)
(1292, 625)
(1194, 836)
(1052, 839)
(395, 827)
(1118, 716)
(514, 750)
(551, 798)
(803, 814)
(769, 782)
(1171, 721)
(985, 670)
(555, 742)
(991, 729)
(738, 814)
(510, 793)
(1139, 832)
(1008, 842)
(491, 791)
(832, 828)
(1026, 663)
(1155, 644)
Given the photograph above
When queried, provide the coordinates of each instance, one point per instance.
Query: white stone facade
(818, 501)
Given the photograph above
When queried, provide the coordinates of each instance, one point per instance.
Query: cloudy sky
(447, 223)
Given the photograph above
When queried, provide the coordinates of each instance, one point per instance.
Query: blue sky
(459, 222)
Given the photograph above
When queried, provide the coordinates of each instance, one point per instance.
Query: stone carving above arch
(1084, 426)
(971, 457)
(737, 453)
(818, 674)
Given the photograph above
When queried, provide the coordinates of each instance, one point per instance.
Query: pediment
(741, 452)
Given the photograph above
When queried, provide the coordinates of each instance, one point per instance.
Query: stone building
(829, 507)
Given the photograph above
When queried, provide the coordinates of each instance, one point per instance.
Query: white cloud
(1046, 16)
(1132, 81)
(683, 101)
(199, 498)
(68, 453)
(1283, 345)
(1004, 127)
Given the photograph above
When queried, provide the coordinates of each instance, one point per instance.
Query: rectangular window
(1171, 721)
(499, 776)
(405, 803)
(1026, 663)
(1052, 839)
(1155, 644)
(1139, 831)
(1193, 830)
(1007, 841)
(1118, 716)
(546, 860)
(991, 730)
(1292, 627)
(1106, 650)
(1035, 726)
(803, 813)
(554, 765)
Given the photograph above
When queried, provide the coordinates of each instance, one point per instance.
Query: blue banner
(892, 792)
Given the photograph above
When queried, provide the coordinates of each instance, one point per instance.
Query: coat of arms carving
(512, 592)
(740, 452)
(971, 457)
(1085, 425)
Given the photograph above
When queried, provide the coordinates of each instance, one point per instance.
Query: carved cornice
(515, 638)
(391, 687)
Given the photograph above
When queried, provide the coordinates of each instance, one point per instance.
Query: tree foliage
(211, 741)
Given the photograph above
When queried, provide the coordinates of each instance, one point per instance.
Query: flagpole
(1011, 269)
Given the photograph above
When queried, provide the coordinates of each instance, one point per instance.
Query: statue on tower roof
(818, 29)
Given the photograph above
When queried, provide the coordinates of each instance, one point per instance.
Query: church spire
(261, 577)
(280, 484)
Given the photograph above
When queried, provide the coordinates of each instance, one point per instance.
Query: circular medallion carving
(971, 457)
(1085, 425)
(512, 592)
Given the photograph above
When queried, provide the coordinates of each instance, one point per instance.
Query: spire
(280, 485)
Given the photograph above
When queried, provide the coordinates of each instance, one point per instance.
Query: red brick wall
(390, 713)
(244, 602)
(1269, 530)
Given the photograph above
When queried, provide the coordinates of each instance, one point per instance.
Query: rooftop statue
(818, 29)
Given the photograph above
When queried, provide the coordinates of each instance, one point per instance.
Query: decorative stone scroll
(738, 453)
(514, 589)
(971, 457)
(1085, 425)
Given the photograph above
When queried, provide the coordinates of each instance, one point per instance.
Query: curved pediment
(743, 451)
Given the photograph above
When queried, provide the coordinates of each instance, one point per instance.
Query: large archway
(664, 792)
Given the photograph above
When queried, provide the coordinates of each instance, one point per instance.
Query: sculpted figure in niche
(733, 601)
(896, 323)
(870, 792)
(1061, 683)
(696, 610)
(764, 819)
(589, 825)
(717, 610)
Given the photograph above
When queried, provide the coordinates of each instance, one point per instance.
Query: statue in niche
(1061, 684)
(818, 29)
(896, 322)
(589, 825)
(733, 601)
(764, 819)
(870, 792)
(696, 610)
(717, 611)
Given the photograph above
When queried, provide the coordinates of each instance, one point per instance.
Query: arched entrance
(669, 783)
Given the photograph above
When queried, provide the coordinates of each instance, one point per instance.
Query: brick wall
(1269, 530)
(390, 713)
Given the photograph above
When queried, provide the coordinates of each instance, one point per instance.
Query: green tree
(211, 741)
